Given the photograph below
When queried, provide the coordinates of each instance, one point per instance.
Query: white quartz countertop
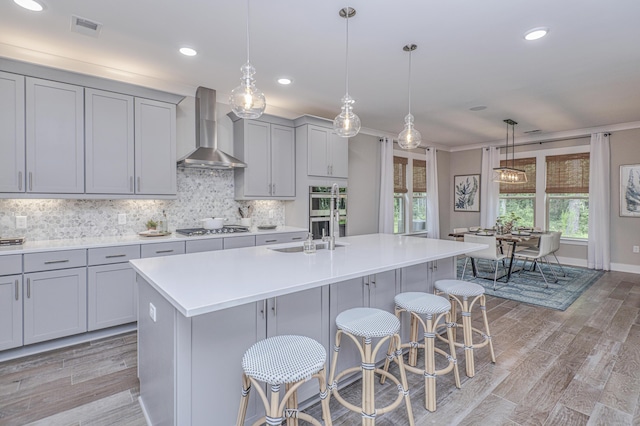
(84, 243)
(199, 283)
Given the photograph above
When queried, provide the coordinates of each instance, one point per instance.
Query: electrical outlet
(636, 249)
(21, 222)
(152, 311)
(270, 214)
(122, 219)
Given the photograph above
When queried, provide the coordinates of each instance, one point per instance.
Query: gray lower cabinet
(162, 249)
(12, 133)
(55, 304)
(288, 237)
(10, 311)
(209, 244)
(239, 242)
(112, 295)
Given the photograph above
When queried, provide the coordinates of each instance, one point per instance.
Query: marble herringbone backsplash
(201, 193)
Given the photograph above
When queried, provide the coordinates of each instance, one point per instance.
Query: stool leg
(429, 365)
(244, 400)
(403, 378)
(483, 308)
(292, 404)
(274, 415)
(413, 338)
(468, 338)
(368, 395)
(334, 363)
(390, 354)
(454, 315)
(324, 397)
(452, 349)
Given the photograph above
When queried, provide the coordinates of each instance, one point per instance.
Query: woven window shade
(568, 174)
(529, 167)
(400, 175)
(419, 176)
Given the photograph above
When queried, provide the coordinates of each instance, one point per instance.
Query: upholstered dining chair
(491, 253)
(555, 247)
(459, 231)
(539, 256)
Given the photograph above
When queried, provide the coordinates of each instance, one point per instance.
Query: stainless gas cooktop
(229, 229)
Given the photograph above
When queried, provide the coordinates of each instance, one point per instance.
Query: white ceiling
(585, 73)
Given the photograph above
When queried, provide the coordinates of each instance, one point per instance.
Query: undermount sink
(300, 249)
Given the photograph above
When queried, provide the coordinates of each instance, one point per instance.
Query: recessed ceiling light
(536, 33)
(187, 51)
(284, 81)
(478, 108)
(29, 4)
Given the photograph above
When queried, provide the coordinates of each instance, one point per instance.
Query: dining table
(507, 239)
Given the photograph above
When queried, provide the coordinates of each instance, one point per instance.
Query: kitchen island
(198, 313)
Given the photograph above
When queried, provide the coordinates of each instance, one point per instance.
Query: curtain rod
(552, 140)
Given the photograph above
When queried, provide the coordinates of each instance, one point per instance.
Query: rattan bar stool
(289, 360)
(433, 308)
(362, 325)
(464, 294)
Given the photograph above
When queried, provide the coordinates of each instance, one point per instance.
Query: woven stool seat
(284, 359)
(422, 303)
(368, 322)
(459, 288)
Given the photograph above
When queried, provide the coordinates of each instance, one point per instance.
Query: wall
(444, 192)
(363, 197)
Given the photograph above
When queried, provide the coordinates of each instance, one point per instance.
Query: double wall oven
(319, 208)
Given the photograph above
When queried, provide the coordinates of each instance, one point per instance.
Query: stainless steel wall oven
(319, 206)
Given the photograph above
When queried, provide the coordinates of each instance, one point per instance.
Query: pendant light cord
(346, 56)
(409, 81)
(248, 31)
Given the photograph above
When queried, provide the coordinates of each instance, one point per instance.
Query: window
(409, 193)
(567, 189)
(520, 198)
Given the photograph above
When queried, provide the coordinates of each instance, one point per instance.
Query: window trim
(408, 196)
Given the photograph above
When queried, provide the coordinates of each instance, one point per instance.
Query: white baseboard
(619, 267)
(144, 412)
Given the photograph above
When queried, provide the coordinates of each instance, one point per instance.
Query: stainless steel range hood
(207, 155)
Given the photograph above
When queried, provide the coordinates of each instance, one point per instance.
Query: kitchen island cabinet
(198, 313)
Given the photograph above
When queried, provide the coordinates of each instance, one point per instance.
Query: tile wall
(201, 193)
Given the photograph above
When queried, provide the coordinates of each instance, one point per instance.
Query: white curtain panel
(385, 216)
(433, 215)
(489, 190)
(599, 246)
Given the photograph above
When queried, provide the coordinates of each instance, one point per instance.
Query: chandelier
(508, 174)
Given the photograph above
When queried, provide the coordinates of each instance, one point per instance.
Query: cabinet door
(108, 142)
(111, 296)
(257, 152)
(239, 242)
(305, 313)
(209, 244)
(283, 161)
(339, 156)
(382, 290)
(155, 147)
(441, 269)
(317, 150)
(414, 278)
(55, 137)
(10, 312)
(12, 133)
(162, 249)
(55, 304)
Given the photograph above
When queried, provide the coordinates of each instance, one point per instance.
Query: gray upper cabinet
(268, 148)
(109, 143)
(54, 137)
(155, 147)
(12, 166)
(327, 153)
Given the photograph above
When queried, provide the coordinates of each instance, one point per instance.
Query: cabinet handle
(19, 181)
(328, 172)
(435, 265)
(273, 189)
(138, 183)
(17, 291)
(131, 183)
(296, 238)
(111, 256)
(28, 288)
(274, 308)
(30, 181)
(164, 251)
(331, 168)
(49, 262)
(264, 307)
(373, 283)
(270, 241)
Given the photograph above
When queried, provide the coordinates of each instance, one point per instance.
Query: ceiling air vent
(85, 26)
(532, 131)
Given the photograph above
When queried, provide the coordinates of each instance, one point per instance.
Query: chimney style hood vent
(207, 155)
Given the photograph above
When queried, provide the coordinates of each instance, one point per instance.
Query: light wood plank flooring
(578, 367)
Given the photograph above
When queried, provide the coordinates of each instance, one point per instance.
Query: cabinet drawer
(237, 242)
(162, 249)
(51, 260)
(10, 265)
(108, 255)
(198, 246)
(288, 237)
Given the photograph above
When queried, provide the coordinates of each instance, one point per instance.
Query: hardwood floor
(577, 367)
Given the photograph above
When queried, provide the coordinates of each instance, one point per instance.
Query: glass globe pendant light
(347, 124)
(409, 138)
(246, 100)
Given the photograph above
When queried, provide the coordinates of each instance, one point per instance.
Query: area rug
(528, 287)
